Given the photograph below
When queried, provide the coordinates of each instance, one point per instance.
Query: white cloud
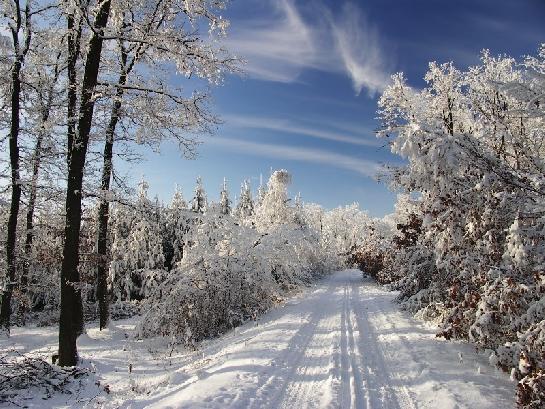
(283, 125)
(280, 47)
(359, 47)
(360, 166)
(277, 48)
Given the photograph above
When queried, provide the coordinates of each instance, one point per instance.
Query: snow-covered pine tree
(178, 202)
(225, 201)
(199, 202)
(273, 209)
(138, 258)
(298, 216)
(261, 190)
(177, 226)
(245, 205)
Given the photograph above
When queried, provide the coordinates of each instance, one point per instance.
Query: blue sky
(314, 72)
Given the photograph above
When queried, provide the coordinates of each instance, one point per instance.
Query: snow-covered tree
(177, 225)
(199, 202)
(261, 190)
(273, 209)
(138, 259)
(225, 201)
(472, 251)
(245, 205)
(232, 272)
(20, 21)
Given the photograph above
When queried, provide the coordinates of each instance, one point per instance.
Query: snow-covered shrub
(137, 256)
(44, 267)
(531, 390)
(221, 282)
(473, 142)
(416, 266)
(232, 272)
(125, 309)
(370, 258)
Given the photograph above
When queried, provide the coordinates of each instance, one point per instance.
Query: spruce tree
(225, 202)
(245, 206)
(199, 202)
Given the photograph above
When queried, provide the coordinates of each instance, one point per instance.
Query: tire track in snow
(270, 391)
(385, 315)
(313, 376)
(345, 345)
(356, 383)
(382, 393)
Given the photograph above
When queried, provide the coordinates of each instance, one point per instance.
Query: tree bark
(5, 311)
(36, 164)
(71, 316)
(19, 57)
(104, 209)
(36, 161)
(74, 39)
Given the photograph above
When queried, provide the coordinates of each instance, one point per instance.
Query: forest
(88, 84)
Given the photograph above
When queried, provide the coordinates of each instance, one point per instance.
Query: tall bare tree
(19, 22)
(156, 35)
(145, 45)
(71, 316)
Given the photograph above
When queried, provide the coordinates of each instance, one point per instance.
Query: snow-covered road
(342, 345)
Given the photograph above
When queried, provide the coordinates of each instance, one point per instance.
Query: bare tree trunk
(5, 309)
(36, 164)
(104, 211)
(71, 317)
(104, 206)
(36, 161)
(74, 43)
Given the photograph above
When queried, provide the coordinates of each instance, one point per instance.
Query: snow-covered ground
(340, 344)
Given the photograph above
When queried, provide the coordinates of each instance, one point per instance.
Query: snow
(342, 343)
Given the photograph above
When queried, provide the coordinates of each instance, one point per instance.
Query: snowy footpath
(340, 344)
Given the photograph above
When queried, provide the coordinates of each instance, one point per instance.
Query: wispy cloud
(281, 46)
(286, 126)
(337, 160)
(276, 48)
(359, 47)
